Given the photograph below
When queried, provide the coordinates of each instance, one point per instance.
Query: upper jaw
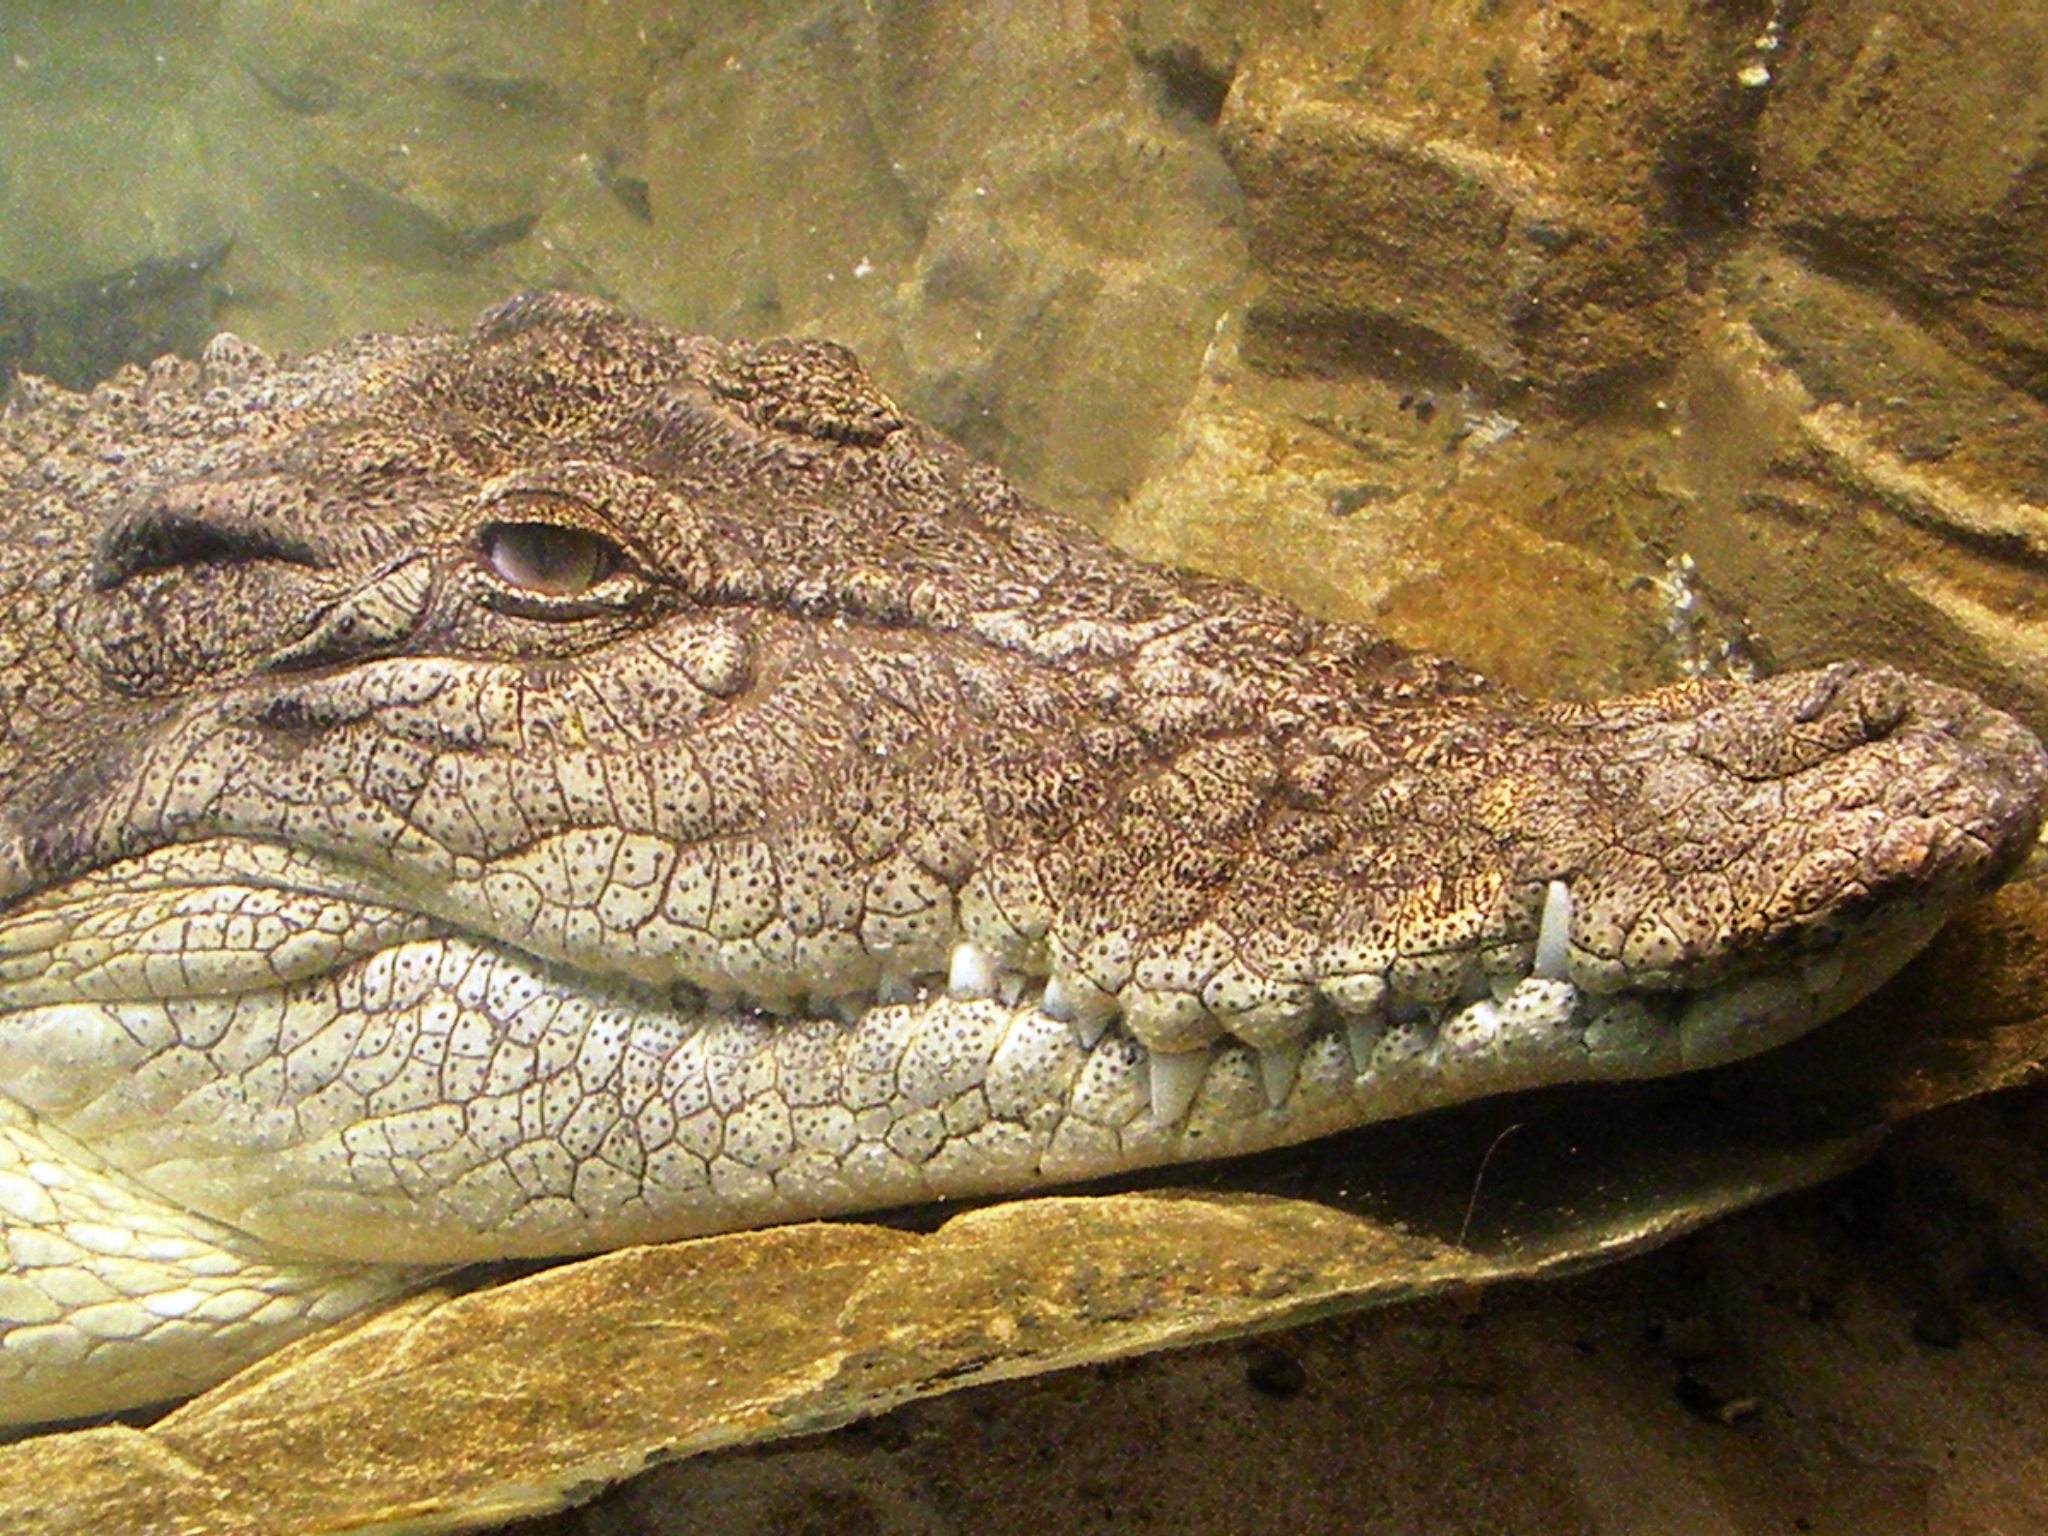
(1941, 804)
(1875, 839)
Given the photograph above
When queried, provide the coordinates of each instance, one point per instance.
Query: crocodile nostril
(1790, 724)
(197, 579)
(1856, 699)
(1882, 700)
(169, 537)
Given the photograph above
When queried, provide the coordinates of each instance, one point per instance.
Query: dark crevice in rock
(1709, 178)
(1292, 341)
(1187, 82)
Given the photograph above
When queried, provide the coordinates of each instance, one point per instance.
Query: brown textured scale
(570, 784)
(819, 699)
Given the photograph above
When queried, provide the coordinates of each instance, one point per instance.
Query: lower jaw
(400, 1119)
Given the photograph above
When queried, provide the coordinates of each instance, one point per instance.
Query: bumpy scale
(571, 783)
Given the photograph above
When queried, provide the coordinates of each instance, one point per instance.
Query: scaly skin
(832, 829)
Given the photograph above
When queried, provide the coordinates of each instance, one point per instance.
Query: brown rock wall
(1504, 199)
(1907, 146)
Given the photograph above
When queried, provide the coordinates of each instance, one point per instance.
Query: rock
(1500, 201)
(103, 165)
(1428, 514)
(1408, 255)
(377, 164)
(1015, 229)
(78, 333)
(1856, 487)
(1906, 147)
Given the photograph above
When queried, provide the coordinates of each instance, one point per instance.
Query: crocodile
(569, 783)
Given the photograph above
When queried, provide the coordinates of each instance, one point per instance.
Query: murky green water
(1595, 349)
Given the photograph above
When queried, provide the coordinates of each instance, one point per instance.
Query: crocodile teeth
(972, 973)
(1363, 1038)
(1278, 1068)
(1057, 1001)
(1553, 933)
(1079, 1002)
(1088, 1033)
(1176, 1077)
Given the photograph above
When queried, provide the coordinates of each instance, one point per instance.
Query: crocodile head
(572, 783)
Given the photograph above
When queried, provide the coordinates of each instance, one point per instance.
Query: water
(1591, 353)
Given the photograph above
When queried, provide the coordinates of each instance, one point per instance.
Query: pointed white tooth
(1089, 1023)
(1176, 1078)
(1278, 1068)
(1010, 987)
(972, 973)
(1553, 934)
(1057, 1002)
(1363, 1038)
(1075, 999)
(1088, 1032)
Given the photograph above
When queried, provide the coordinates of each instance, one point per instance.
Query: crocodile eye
(549, 559)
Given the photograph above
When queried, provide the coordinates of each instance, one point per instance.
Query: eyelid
(548, 510)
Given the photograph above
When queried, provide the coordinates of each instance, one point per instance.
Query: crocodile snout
(1792, 811)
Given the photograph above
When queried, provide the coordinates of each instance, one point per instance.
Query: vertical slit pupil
(548, 558)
